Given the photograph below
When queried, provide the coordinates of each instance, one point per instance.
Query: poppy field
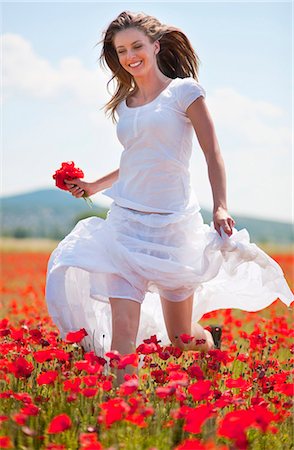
(55, 396)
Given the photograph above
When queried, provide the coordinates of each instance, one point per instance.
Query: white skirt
(140, 256)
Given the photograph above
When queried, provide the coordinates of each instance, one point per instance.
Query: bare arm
(78, 187)
(106, 181)
(205, 132)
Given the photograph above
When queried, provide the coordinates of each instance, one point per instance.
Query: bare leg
(125, 324)
(178, 320)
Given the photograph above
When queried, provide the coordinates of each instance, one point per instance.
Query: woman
(154, 240)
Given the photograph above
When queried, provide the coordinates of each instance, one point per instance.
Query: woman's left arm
(205, 132)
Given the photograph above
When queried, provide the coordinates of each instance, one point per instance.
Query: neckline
(152, 101)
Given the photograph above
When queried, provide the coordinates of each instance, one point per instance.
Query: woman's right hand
(79, 188)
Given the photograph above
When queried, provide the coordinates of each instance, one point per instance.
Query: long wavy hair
(176, 58)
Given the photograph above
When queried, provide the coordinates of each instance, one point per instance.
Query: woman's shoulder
(187, 90)
(188, 82)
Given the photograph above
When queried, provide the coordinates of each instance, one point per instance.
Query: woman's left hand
(221, 218)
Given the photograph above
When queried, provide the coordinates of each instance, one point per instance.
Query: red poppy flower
(200, 390)
(47, 377)
(195, 417)
(113, 354)
(286, 389)
(194, 371)
(89, 392)
(147, 349)
(21, 368)
(76, 336)
(128, 387)
(20, 418)
(47, 355)
(30, 410)
(239, 383)
(72, 385)
(190, 444)
(89, 441)
(113, 410)
(165, 391)
(5, 442)
(59, 424)
(131, 359)
(159, 376)
(67, 171)
(186, 338)
(36, 335)
(234, 426)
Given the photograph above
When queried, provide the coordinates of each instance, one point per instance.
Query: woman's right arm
(78, 187)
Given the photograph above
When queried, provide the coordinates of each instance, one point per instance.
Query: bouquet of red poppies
(68, 171)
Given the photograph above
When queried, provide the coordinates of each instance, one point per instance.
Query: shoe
(216, 332)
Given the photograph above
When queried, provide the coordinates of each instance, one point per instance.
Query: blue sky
(54, 89)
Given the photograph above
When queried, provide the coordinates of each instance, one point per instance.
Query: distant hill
(52, 213)
(48, 213)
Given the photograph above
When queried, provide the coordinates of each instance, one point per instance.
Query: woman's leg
(178, 320)
(125, 324)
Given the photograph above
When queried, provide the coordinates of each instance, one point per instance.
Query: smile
(135, 64)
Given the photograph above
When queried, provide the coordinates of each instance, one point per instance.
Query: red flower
(147, 349)
(239, 383)
(186, 338)
(165, 391)
(20, 418)
(68, 171)
(89, 392)
(128, 387)
(21, 368)
(200, 390)
(88, 366)
(36, 335)
(47, 377)
(59, 424)
(194, 371)
(113, 410)
(131, 359)
(30, 410)
(234, 426)
(194, 417)
(76, 336)
(5, 442)
(190, 444)
(113, 354)
(287, 389)
(106, 385)
(89, 441)
(46, 355)
(159, 376)
(263, 417)
(72, 385)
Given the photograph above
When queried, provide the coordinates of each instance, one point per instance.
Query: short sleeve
(189, 90)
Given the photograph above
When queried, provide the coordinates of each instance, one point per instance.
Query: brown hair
(176, 58)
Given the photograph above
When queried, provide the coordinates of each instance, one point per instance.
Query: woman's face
(136, 53)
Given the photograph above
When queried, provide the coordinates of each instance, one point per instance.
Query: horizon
(106, 205)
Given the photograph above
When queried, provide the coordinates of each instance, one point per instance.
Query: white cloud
(25, 71)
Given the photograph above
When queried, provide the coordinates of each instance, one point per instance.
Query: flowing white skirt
(132, 253)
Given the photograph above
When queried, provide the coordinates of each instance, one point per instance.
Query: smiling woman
(154, 240)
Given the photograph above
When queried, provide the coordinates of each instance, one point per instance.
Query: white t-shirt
(157, 139)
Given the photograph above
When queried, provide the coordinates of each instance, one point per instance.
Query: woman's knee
(177, 316)
(125, 317)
